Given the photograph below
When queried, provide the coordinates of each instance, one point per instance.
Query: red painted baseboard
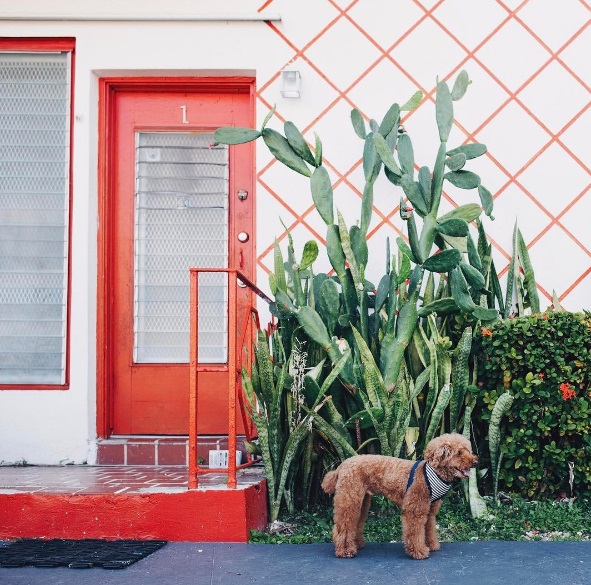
(193, 516)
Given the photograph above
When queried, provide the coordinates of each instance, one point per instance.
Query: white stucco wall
(529, 102)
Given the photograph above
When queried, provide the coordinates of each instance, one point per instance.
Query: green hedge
(545, 362)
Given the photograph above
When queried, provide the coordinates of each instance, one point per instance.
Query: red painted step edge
(193, 516)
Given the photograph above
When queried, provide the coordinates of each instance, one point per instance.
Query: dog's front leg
(431, 539)
(413, 532)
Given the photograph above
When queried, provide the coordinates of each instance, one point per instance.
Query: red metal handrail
(234, 370)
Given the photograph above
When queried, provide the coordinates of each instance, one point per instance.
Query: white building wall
(529, 102)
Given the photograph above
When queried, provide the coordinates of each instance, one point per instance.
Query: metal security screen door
(172, 206)
(181, 221)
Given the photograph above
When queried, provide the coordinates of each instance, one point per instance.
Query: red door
(174, 205)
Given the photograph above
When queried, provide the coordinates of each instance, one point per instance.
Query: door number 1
(184, 118)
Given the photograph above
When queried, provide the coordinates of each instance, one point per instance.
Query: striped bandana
(437, 486)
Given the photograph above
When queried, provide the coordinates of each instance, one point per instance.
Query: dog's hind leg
(347, 505)
(431, 539)
(362, 518)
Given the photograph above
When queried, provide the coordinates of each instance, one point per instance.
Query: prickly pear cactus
(437, 270)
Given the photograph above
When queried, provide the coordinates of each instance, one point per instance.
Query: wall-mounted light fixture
(291, 82)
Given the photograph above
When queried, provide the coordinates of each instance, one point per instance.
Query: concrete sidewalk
(473, 563)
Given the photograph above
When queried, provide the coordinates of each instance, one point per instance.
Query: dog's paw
(434, 545)
(417, 553)
(346, 554)
(360, 543)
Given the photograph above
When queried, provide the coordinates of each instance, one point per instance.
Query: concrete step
(142, 502)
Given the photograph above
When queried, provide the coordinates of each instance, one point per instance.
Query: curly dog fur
(355, 481)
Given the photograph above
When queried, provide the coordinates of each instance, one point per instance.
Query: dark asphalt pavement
(467, 563)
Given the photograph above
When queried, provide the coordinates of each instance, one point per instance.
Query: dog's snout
(474, 461)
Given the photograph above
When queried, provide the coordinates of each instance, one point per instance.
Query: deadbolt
(243, 237)
(242, 194)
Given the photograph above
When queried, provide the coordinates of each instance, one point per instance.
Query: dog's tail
(329, 483)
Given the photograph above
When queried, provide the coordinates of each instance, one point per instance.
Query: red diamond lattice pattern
(487, 43)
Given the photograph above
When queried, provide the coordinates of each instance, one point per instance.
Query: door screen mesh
(181, 221)
(34, 200)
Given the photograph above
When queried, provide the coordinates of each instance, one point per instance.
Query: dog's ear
(437, 454)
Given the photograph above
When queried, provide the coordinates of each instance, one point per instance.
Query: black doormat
(77, 554)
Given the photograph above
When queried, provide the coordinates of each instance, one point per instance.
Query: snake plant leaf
(322, 195)
(460, 86)
(272, 283)
(456, 227)
(391, 120)
(374, 126)
(501, 408)
(445, 261)
(365, 419)
(235, 135)
(383, 151)
(358, 123)
(441, 306)
(309, 254)
(463, 179)
(348, 250)
(374, 383)
(473, 150)
(280, 279)
(473, 255)
(460, 376)
(284, 153)
(317, 150)
(334, 250)
(406, 155)
(337, 368)
(486, 199)
(444, 111)
(371, 160)
(456, 162)
(298, 142)
(529, 280)
(413, 102)
(468, 212)
(429, 292)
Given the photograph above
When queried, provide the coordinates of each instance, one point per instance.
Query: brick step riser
(158, 452)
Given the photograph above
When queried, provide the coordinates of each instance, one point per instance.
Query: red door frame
(108, 88)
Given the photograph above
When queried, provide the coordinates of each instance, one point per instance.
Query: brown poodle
(417, 486)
